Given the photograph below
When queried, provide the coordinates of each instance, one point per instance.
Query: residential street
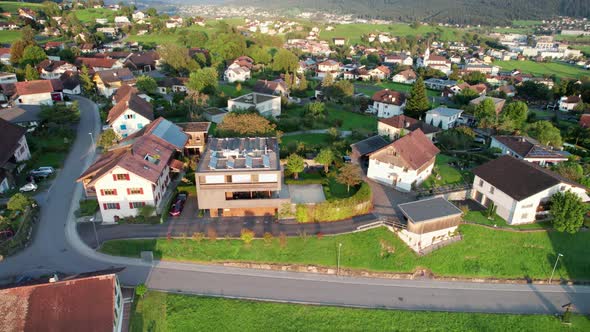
(57, 247)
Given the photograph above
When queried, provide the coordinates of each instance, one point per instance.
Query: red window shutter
(141, 191)
(128, 191)
(142, 203)
(101, 192)
(130, 205)
(114, 177)
(118, 206)
(114, 191)
(104, 206)
(127, 177)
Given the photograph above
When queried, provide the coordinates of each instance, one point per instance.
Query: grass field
(480, 218)
(172, 312)
(353, 32)
(448, 174)
(230, 90)
(583, 48)
(13, 6)
(482, 253)
(539, 69)
(89, 15)
(308, 139)
(8, 36)
(351, 120)
(370, 89)
(170, 36)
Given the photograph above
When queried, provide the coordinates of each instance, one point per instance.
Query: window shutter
(130, 205)
(104, 206)
(114, 191)
(114, 177)
(101, 192)
(128, 191)
(127, 177)
(118, 206)
(141, 191)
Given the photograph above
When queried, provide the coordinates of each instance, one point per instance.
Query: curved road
(57, 247)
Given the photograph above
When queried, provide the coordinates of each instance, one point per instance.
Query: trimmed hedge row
(338, 209)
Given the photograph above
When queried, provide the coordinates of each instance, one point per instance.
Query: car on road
(42, 172)
(178, 206)
(28, 187)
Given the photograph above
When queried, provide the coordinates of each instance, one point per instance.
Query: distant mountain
(489, 12)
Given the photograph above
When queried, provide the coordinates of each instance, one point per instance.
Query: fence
(444, 191)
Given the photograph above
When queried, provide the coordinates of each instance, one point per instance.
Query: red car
(176, 208)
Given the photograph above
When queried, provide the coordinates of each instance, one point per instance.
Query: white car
(43, 171)
(28, 187)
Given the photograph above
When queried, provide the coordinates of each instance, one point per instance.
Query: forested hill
(489, 12)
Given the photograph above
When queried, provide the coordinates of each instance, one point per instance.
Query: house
(435, 61)
(328, 66)
(277, 87)
(172, 84)
(401, 59)
(387, 103)
(405, 163)
(138, 15)
(362, 149)
(54, 45)
(27, 13)
(142, 62)
(136, 172)
(5, 55)
(568, 103)
(110, 32)
(450, 91)
(241, 177)
(70, 82)
(108, 81)
(338, 41)
(51, 69)
(266, 105)
(526, 148)
(380, 73)
(443, 117)
(214, 114)
(519, 189)
(130, 114)
(438, 84)
(498, 102)
(91, 302)
(122, 20)
(38, 92)
(584, 120)
(6, 78)
(98, 64)
(102, 21)
(26, 116)
(508, 89)
(407, 76)
(428, 222)
(399, 125)
(14, 151)
(237, 73)
(197, 132)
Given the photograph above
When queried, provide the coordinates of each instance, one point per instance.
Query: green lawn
(353, 32)
(482, 253)
(231, 91)
(351, 120)
(307, 139)
(370, 89)
(448, 174)
(13, 6)
(480, 218)
(583, 48)
(165, 36)
(8, 36)
(560, 70)
(89, 15)
(158, 311)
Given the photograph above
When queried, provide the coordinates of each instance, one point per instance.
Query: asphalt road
(57, 247)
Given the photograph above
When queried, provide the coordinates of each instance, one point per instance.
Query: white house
(14, 150)
(136, 172)
(39, 92)
(526, 148)
(400, 125)
(568, 103)
(122, 20)
(405, 163)
(266, 105)
(407, 76)
(130, 114)
(387, 103)
(236, 73)
(50, 69)
(328, 66)
(138, 15)
(520, 190)
(395, 59)
(435, 61)
(443, 117)
(7, 78)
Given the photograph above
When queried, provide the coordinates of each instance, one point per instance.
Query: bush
(267, 238)
(247, 236)
(87, 207)
(18, 202)
(140, 290)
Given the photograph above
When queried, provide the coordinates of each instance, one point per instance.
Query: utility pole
(338, 262)
(555, 266)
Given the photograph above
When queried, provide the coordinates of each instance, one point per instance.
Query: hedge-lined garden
(337, 209)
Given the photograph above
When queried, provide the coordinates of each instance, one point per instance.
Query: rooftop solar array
(242, 153)
(171, 133)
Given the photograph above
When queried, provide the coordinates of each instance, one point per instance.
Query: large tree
(246, 124)
(350, 175)
(326, 158)
(546, 133)
(107, 139)
(32, 55)
(417, 103)
(513, 116)
(176, 58)
(567, 211)
(295, 164)
(570, 170)
(204, 80)
(485, 113)
(285, 61)
(146, 84)
(31, 73)
(316, 110)
(86, 80)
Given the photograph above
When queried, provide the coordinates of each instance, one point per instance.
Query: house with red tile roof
(405, 163)
(98, 64)
(407, 76)
(387, 103)
(399, 125)
(130, 114)
(568, 103)
(38, 92)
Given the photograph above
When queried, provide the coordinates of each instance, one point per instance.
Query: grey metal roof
(445, 111)
(429, 209)
(369, 145)
(171, 133)
(21, 113)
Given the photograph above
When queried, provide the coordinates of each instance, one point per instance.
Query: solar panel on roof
(266, 161)
(213, 163)
(248, 162)
(230, 163)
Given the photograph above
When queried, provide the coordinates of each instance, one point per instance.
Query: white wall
(387, 110)
(266, 108)
(22, 153)
(436, 119)
(132, 125)
(35, 99)
(387, 174)
(420, 241)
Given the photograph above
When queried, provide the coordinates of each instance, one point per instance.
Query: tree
(107, 139)
(417, 103)
(16, 51)
(86, 80)
(203, 80)
(465, 96)
(545, 133)
(31, 73)
(141, 290)
(350, 175)
(246, 124)
(328, 80)
(485, 113)
(341, 89)
(513, 116)
(33, 54)
(295, 165)
(570, 170)
(247, 236)
(325, 157)
(18, 202)
(285, 60)
(474, 77)
(146, 84)
(567, 210)
(302, 84)
(316, 110)
(176, 57)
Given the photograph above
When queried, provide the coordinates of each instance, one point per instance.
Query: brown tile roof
(138, 60)
(194, 127)
(4, 50)
(526, 147)
(133, 102)
(573, 99)
(384, 69)
(123, 91)
(269, 87)
(413, 151)
(50, 65)
(408, 74)
(518, 178)
(411, 124)
(10, 134)
(85, 304)
(116, 75)
(95, 62)
(585, 120)
(389, 97)
(32, 87)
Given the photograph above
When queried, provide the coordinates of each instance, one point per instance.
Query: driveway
(306, 193)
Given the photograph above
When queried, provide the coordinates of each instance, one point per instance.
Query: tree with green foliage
(546, 133)
(349, 175)
(302, 86)
(458, 138)
(465, 96)
(475, 77)
(325, 157)
(141, 290)
(204, 80)
(176, 58)
(86, 80)
(567, 211)
(31, 73)
(32, 55)
(569, 170)
(16, 51)
(485, 113)
(328, 80)
(107, 139)
(147, 211)
(341, 89)
(295, 165)
(146, 84)
(260, 55)
(285, 61)
(18, 202)
(246, 124)
(513, 116)
(417, 103)
(317, 110)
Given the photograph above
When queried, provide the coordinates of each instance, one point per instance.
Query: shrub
(247, 236)
(18, 202)
(212, 234)
(282, 240)
(359, 203)
(140, 290)
(268, 238)
(198, 236)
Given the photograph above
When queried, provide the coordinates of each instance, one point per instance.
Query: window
(562, 188)
(111, 206)
(481, 183)
(121, 177)
(139, 125)
(123, 127)
(129, 117)
(108, 192)
(136, 205)
(134, 191)
(492, 190)
(525, 215)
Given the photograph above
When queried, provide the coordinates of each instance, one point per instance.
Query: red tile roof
(413, 151)
(585, 120)
(133, 102)
(33, 87)
(389, 97)
(95, 62)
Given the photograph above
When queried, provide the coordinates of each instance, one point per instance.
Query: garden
(448, 170)
(16, 223)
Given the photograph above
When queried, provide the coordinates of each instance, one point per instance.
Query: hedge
(23, 234)
(321, 181)
(338, 209)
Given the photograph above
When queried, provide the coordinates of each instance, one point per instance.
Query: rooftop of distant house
(240, 154)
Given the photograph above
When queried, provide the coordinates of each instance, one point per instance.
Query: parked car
(42, 172)
(178, 206)
(28, 187)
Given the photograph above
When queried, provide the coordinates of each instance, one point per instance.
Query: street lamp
(95, 233)
(338, 263)
(555, 266)
(92, 139)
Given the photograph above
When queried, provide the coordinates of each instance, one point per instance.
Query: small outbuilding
(362, 149)
(429, 222)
